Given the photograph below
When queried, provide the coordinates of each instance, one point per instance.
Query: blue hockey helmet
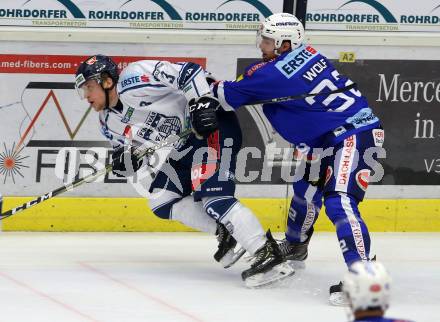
(96, 67)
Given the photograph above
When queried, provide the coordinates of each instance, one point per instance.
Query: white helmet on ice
(280, 27)
(367, 285)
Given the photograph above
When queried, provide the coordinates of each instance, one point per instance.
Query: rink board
(133, 214)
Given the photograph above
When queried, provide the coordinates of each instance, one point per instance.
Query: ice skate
(269, 265)
(337, 297)
(296, 253)
(227, 254)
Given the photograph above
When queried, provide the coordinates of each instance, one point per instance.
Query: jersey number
(328, 83)
(169, 77)
(343, 245)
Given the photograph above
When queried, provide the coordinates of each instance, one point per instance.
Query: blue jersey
(380, 319)
(316, 121)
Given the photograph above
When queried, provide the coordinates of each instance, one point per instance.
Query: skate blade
(297, 264)
(232, 257)
(338, 299)
(277, 273)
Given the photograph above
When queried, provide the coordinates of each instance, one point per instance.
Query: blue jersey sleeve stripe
(140, 86)
(155, 69)
(215, 89)
(195, 88)
(180, 75)
(185, 78)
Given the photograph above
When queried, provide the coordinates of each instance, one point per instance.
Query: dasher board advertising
(373, 15)
(139, 14)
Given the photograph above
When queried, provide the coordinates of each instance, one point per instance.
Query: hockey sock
(192, 214)
(304, 210)
(353, 235)
(239, 220)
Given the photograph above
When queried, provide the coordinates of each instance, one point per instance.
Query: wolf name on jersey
(309, 120)
(153, 97)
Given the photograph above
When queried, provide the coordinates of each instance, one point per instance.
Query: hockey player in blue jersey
(336, 126)
(367, 288)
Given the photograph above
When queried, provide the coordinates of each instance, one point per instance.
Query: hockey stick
(139, 153)
(170, 140)
(301, 96)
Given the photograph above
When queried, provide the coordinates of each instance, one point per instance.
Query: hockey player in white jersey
(151, 100)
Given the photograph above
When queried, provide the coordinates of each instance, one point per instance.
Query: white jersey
(154, 96)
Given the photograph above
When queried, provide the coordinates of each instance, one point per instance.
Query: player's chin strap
(140, 152)
(302, 96)
(107, 90)
(107, 94)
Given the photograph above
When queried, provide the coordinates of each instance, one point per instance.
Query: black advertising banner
(405, 94)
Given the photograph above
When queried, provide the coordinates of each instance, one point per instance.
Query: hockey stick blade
(91, 177)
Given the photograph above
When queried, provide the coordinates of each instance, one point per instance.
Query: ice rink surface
(155, 277)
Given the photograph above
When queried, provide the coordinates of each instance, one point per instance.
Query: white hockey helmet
(367, 285)
(280, 27)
